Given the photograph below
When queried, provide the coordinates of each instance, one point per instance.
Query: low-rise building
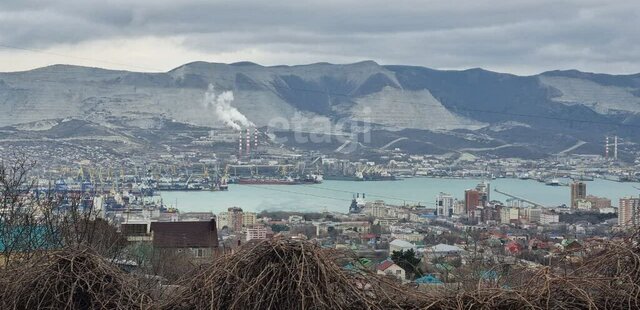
(413, 237)
(442, 250)
(198, 238)
(400, 245)
(389, 268)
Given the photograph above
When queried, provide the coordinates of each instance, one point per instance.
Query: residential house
(198, 238)
(513, 247)
(388, 267)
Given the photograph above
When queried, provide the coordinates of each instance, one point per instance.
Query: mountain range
(415, 109)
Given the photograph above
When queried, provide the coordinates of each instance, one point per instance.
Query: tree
(21, 229)
(34, 220)
(407, 260)
(276, 228)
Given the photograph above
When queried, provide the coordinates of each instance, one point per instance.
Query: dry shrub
(608, 278)
(69, 279)
(287, 274)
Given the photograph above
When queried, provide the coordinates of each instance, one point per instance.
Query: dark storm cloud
(516, 36)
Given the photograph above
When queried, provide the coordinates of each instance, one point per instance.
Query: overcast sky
(522, 37)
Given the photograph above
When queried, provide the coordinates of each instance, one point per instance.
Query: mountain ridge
(570, 105)
(251, 63)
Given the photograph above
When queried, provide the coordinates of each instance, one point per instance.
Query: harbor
(335, 196)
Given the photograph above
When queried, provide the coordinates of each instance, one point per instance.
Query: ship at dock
(363, 176)
(308, 179)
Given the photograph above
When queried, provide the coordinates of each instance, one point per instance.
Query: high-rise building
(249, 218)
(377, 209)
(629, 212)
(578, 191)
(233, 219)
(471, 200)
(485, 193)
(444, 204)
(222, 220)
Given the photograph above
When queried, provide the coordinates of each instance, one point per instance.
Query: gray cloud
(515, 36)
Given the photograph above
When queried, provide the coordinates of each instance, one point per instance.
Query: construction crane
(205, 171)
(535, 204)
(80, 175)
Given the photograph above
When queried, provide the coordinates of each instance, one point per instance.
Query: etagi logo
(347, 133)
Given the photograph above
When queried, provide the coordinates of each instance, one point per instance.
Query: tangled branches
(69, 279)
(288, 274)
(285, 274)
(607, 278)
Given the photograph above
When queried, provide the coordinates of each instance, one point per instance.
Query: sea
(336, 196)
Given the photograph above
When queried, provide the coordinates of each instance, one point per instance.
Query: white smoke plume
(221, 105)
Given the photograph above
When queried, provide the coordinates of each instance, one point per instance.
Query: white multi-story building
(377, 209)
(222, 220)
(296, 219)
(548, 218)
(532, 214)
(256, 232)
(509, 214)
(444, 204)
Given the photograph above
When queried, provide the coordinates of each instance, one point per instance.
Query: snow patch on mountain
(600, 98)
(408, 109)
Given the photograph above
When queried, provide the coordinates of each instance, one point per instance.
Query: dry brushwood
(69, 279)
(286, 274)
(609, 278)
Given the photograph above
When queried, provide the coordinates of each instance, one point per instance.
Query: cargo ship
(309, 179)
(359, 176)
(337, 177)
(379, 177)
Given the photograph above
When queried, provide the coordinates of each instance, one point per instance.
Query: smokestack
(248, 141)
(615, 147)
(240, 145)
(255, 139)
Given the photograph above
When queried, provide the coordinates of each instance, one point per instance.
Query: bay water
(336, 196)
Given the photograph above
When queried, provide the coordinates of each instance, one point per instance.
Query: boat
(342, 178)
(308, 179)
(378, 177)
(553, 182)
(583, 178)
(524, 176)
(223, 185)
